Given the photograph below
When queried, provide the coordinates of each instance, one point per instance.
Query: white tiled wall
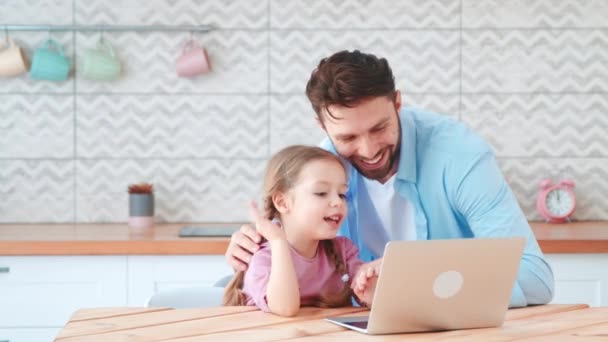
(530, 76)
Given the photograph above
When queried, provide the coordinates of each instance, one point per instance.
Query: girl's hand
(364, 284)
(264, 226)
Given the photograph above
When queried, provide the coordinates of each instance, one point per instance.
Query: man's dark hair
(346, 78)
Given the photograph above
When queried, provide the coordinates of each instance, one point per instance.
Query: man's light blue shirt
(450, 176)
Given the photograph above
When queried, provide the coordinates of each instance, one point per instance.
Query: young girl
(302, 262)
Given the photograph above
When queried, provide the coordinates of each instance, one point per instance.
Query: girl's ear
(281, 202)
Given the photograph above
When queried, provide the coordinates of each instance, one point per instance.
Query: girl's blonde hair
(282, 173)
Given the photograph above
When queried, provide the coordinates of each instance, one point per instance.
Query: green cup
(50, 63)
(101, 64)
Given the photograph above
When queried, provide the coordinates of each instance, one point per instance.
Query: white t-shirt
(384, 216)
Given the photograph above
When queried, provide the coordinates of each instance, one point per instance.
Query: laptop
(435, 285)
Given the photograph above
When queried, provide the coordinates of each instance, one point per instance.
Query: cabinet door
(580, 278)
(29, 335)
(44, 291)
(151, 274)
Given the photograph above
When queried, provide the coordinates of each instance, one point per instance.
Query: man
(414, 175)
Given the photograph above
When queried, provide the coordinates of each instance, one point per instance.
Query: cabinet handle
(4, 270)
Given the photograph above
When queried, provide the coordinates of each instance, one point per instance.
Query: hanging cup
(13, 60)
(193, 60)
(101, 63)
(50, 63)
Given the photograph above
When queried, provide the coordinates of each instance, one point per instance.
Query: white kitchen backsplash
(530, 76)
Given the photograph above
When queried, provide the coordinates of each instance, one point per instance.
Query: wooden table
(539, 323)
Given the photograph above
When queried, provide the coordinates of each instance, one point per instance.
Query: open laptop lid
(444, 285)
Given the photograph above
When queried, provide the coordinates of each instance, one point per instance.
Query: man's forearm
(535, 283)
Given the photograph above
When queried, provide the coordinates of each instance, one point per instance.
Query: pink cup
(192, 61)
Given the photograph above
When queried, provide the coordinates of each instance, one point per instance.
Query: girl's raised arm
(282, 293)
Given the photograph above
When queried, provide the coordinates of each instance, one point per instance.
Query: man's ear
(281, 202)
(319, 122)
(398, 101)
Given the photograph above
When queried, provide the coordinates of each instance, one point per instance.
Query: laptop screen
(357, 324)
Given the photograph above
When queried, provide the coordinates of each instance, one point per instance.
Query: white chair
(191, 297)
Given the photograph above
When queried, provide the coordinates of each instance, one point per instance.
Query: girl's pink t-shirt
(315, 275)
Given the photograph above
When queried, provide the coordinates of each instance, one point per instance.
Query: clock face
(559, 202)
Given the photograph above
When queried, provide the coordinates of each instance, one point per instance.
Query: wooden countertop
(574, 237)
(119, 239)
(107, 239)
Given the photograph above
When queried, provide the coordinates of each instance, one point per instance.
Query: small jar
(141, 210)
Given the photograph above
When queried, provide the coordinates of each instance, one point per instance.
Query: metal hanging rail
(106, 28)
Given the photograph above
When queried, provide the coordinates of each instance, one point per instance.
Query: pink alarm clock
(556, 202)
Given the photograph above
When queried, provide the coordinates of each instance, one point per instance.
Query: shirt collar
(406, 170)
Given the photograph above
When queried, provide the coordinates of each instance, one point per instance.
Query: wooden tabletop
(539, 323)
(163, 239)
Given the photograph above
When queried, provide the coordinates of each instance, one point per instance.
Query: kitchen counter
(163, 239)
(574, 237)
(107, 239)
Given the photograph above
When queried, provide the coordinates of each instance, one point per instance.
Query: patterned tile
(541, 125)
(36, 12)
(36, 191)
(534, 13)
(589, 174)
(185, 190)
(535, 61)
(173, 126)
(360, 14)
(294, 122)
(239, 62)
(422, 61)
(36, 126)
(530, 76)
(220, 14)
(446, 104)
(30, 41)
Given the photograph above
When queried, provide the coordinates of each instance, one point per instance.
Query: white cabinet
(28, 335)
(43, 292)
(151, 274)
(38, 294)
(580, 278)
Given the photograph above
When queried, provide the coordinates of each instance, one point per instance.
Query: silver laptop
(441, 285)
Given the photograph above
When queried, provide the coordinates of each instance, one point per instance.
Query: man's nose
(367, 148)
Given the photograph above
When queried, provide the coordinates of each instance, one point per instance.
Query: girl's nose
(335, 200)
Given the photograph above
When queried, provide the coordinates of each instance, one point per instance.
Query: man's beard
(378, 174)
(393, 160)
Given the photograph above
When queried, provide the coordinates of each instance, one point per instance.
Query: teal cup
(50, 63)
(100, 64)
